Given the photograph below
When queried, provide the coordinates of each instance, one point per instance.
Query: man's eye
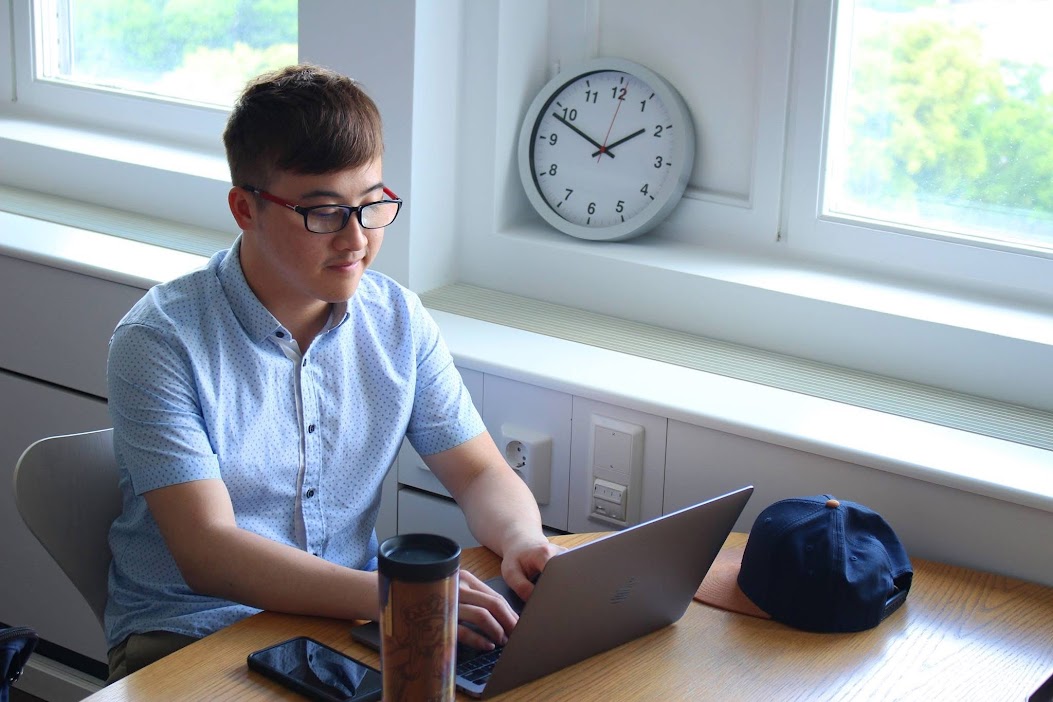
(328, 212)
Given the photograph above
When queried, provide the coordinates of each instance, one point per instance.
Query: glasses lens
(326, 219)
(379, 214)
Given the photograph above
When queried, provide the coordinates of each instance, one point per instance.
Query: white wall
(57, 322)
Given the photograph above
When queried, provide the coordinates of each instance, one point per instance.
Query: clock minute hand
(583, 135)
(607, 149)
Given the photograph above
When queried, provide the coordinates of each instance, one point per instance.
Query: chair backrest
(67, 493)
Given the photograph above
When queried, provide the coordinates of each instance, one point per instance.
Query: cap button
(832, 503)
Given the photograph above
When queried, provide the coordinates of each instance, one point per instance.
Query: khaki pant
(140, 650)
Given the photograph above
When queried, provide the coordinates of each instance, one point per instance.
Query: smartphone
(318, 671)
(1044, 693)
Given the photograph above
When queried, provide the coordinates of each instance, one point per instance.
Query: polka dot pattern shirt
(205, 383)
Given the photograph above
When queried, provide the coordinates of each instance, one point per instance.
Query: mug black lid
(419, 557)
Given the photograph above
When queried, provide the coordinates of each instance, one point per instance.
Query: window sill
(90, 253)
(986, 346)
(983, 465)
(138, 152)
(172, 183)
(963, 460)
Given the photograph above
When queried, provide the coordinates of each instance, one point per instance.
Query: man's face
(290, 268)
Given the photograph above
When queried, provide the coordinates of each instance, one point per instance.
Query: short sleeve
(159, 435)
(443, 414)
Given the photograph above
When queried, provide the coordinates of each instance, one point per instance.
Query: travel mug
(418, 616)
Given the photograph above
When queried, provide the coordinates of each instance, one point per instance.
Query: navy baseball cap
(814, 563)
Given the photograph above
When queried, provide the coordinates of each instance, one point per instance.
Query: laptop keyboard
(478, 668)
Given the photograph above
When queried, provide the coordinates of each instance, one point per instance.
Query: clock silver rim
(653, 214)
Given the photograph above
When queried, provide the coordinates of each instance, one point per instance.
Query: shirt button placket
(311, 500)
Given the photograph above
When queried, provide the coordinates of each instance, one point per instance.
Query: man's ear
(243, 206)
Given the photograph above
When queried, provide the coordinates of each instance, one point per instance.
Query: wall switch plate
(616, 459)
(609, 500)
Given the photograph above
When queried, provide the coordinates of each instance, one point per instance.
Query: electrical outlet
(529, 454)
(516, 455)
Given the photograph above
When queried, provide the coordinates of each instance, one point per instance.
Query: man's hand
(484, 618)
(522, 565)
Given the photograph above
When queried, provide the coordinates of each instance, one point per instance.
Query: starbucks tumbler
(418, 616)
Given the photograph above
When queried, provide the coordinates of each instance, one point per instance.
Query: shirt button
(310, 493)
(280, 334)
(310, 428)
(304, 363)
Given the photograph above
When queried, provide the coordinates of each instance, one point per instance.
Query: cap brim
(721, 588)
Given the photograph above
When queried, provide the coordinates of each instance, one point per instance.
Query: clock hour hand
(607, 149)
(586, 137)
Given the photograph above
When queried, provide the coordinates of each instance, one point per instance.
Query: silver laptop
(601, 594)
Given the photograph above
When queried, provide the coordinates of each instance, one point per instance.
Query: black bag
(16, 644)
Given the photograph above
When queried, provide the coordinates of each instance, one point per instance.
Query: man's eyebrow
(311, 194)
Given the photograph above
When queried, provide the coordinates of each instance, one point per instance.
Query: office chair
(66, 491)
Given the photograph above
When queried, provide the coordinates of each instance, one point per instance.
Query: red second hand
(603, 149)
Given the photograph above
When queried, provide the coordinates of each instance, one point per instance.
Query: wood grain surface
(961, 635)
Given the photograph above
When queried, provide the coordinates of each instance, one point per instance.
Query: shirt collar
(337, 316)
(257, 321)
(254, 317)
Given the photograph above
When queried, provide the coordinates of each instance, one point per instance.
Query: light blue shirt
(205, 383)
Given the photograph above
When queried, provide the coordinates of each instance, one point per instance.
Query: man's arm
(218, 558)
(501, 511)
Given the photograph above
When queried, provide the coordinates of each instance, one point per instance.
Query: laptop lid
(612, 590)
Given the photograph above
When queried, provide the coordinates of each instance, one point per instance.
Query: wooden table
(962, 635)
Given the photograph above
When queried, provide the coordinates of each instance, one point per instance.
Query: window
(161, 69)
(193, 51)
(942, 119)
(920, 146)
(765, 251)
(120, 104)
(758, 253)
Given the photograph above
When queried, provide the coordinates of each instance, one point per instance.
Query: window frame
(986, 268)
(453, 82)
(105, 111)
(941, 319)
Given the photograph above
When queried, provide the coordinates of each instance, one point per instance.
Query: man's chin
(340, 291)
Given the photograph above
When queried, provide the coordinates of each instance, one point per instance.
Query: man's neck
(304, 318)
(305, 325)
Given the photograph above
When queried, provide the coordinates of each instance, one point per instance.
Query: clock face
(609, 152)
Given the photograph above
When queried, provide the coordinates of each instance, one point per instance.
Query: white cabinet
(933, 521)
(60, 323)
(33, 590)
(52, 381)
(422, 512)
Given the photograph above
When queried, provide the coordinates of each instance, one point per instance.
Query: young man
(258, 403)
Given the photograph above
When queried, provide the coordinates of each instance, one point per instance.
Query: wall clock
(606, 150)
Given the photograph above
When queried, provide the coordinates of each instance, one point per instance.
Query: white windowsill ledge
(979, 464)
(90, 253)
(983, 465)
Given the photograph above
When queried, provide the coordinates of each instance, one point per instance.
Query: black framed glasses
(327, 219)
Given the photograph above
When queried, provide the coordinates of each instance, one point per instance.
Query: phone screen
(1044, 693)
(318, 671)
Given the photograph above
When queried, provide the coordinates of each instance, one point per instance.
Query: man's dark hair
(303, 119)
